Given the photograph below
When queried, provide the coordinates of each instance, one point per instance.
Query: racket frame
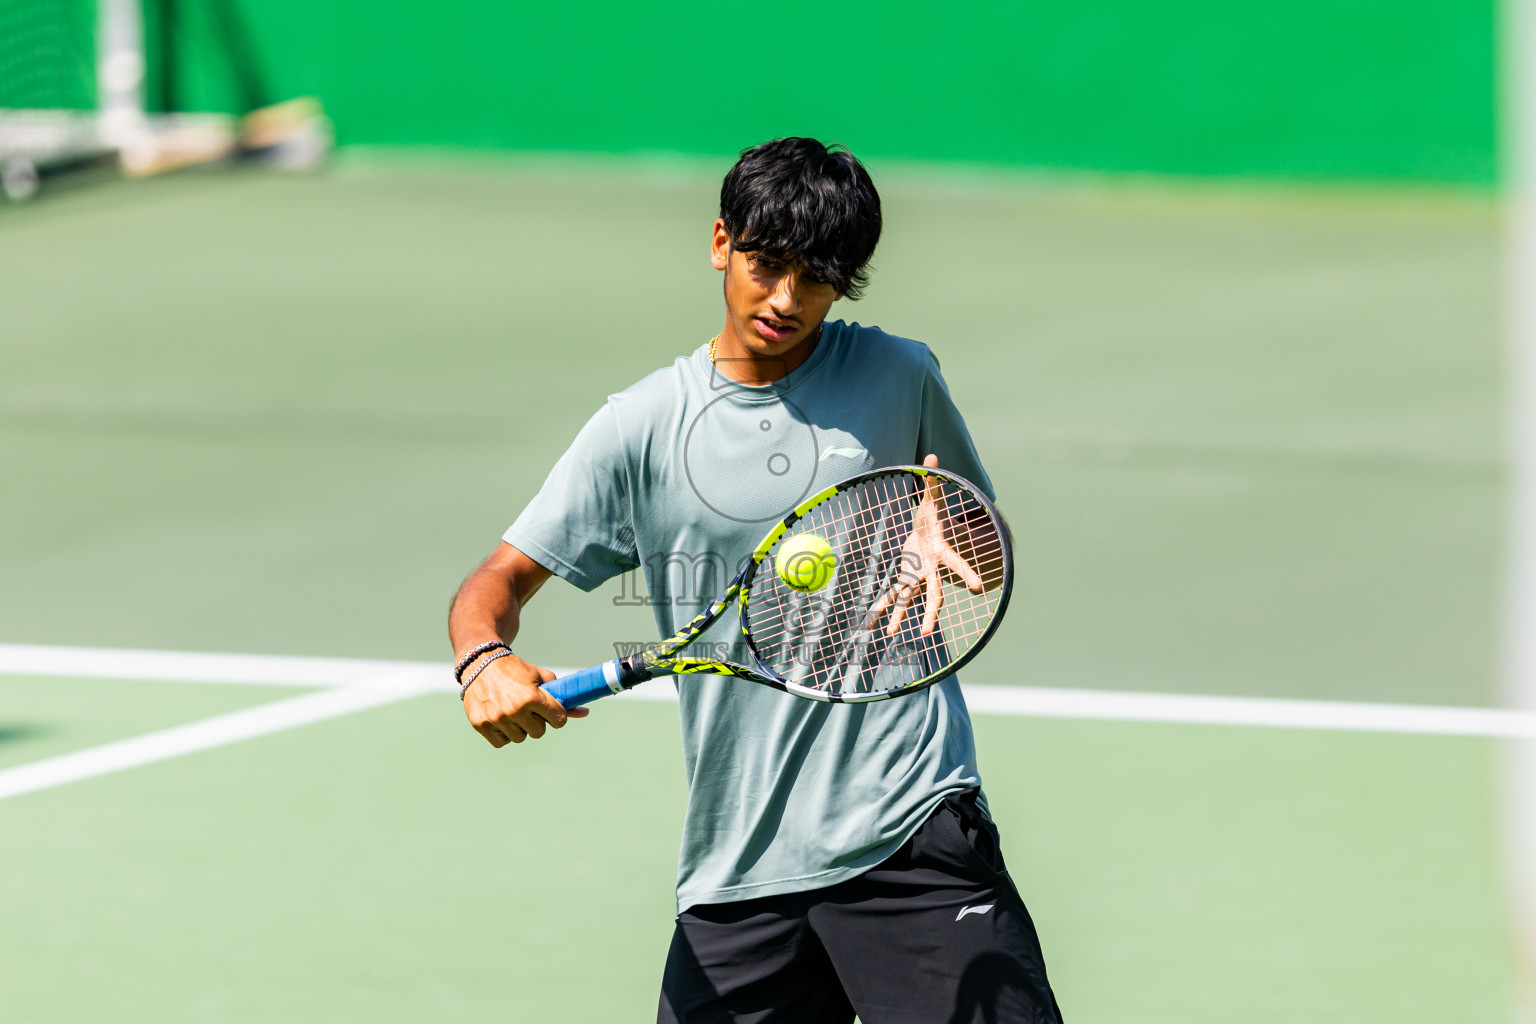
(621, 674)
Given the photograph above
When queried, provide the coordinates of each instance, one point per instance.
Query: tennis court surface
(1247, 441)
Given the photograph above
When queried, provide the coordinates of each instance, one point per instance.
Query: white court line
(1029, 701)
(193, 666)
(356, 685)
(1187, 709)
(221, 730)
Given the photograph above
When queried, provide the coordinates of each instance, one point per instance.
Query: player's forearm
(485, 608)
(504, 697)
(489, 603)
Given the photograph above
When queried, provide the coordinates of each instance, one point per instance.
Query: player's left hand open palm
(925, 556)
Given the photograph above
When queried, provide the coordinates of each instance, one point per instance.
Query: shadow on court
(17, 732)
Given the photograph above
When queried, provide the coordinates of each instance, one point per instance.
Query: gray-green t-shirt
(682, 474)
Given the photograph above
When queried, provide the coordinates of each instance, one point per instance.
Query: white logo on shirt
(974, 910)
(851, 453)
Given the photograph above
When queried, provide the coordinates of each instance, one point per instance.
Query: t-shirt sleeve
(579, 526)
(942, 431)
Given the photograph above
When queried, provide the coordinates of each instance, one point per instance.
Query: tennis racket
(922, 574)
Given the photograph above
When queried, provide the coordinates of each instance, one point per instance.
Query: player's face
(772, 306)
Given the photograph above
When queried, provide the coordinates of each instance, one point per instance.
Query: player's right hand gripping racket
(922, 574)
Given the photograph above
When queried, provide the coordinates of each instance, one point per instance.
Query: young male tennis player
(836, 859)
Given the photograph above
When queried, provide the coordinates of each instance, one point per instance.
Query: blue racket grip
(588, 685)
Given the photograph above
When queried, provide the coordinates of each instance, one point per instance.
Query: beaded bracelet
(463, 689)
(464, 662)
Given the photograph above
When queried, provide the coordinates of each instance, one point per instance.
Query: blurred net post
(93, 83)
(1519, 129)
(120, 74)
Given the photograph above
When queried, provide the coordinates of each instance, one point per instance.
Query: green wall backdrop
(1351, 89)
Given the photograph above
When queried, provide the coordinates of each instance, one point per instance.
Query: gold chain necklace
(714, 343)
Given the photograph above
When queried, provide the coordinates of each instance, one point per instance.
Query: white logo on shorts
(974, 910)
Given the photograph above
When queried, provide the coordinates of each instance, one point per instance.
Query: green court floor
(1248, 441)
(42, 718)
(390, 866)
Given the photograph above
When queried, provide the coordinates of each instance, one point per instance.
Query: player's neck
(734, 360)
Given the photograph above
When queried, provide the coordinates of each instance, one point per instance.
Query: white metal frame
(32, 140)
(120, 72)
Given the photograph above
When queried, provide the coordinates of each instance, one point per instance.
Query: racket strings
(878, 659)
(873, 627)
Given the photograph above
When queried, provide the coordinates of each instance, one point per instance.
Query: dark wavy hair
(797, 200)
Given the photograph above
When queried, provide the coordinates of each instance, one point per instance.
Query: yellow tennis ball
(805, 562)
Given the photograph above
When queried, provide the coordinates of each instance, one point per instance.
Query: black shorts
(935, 934)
